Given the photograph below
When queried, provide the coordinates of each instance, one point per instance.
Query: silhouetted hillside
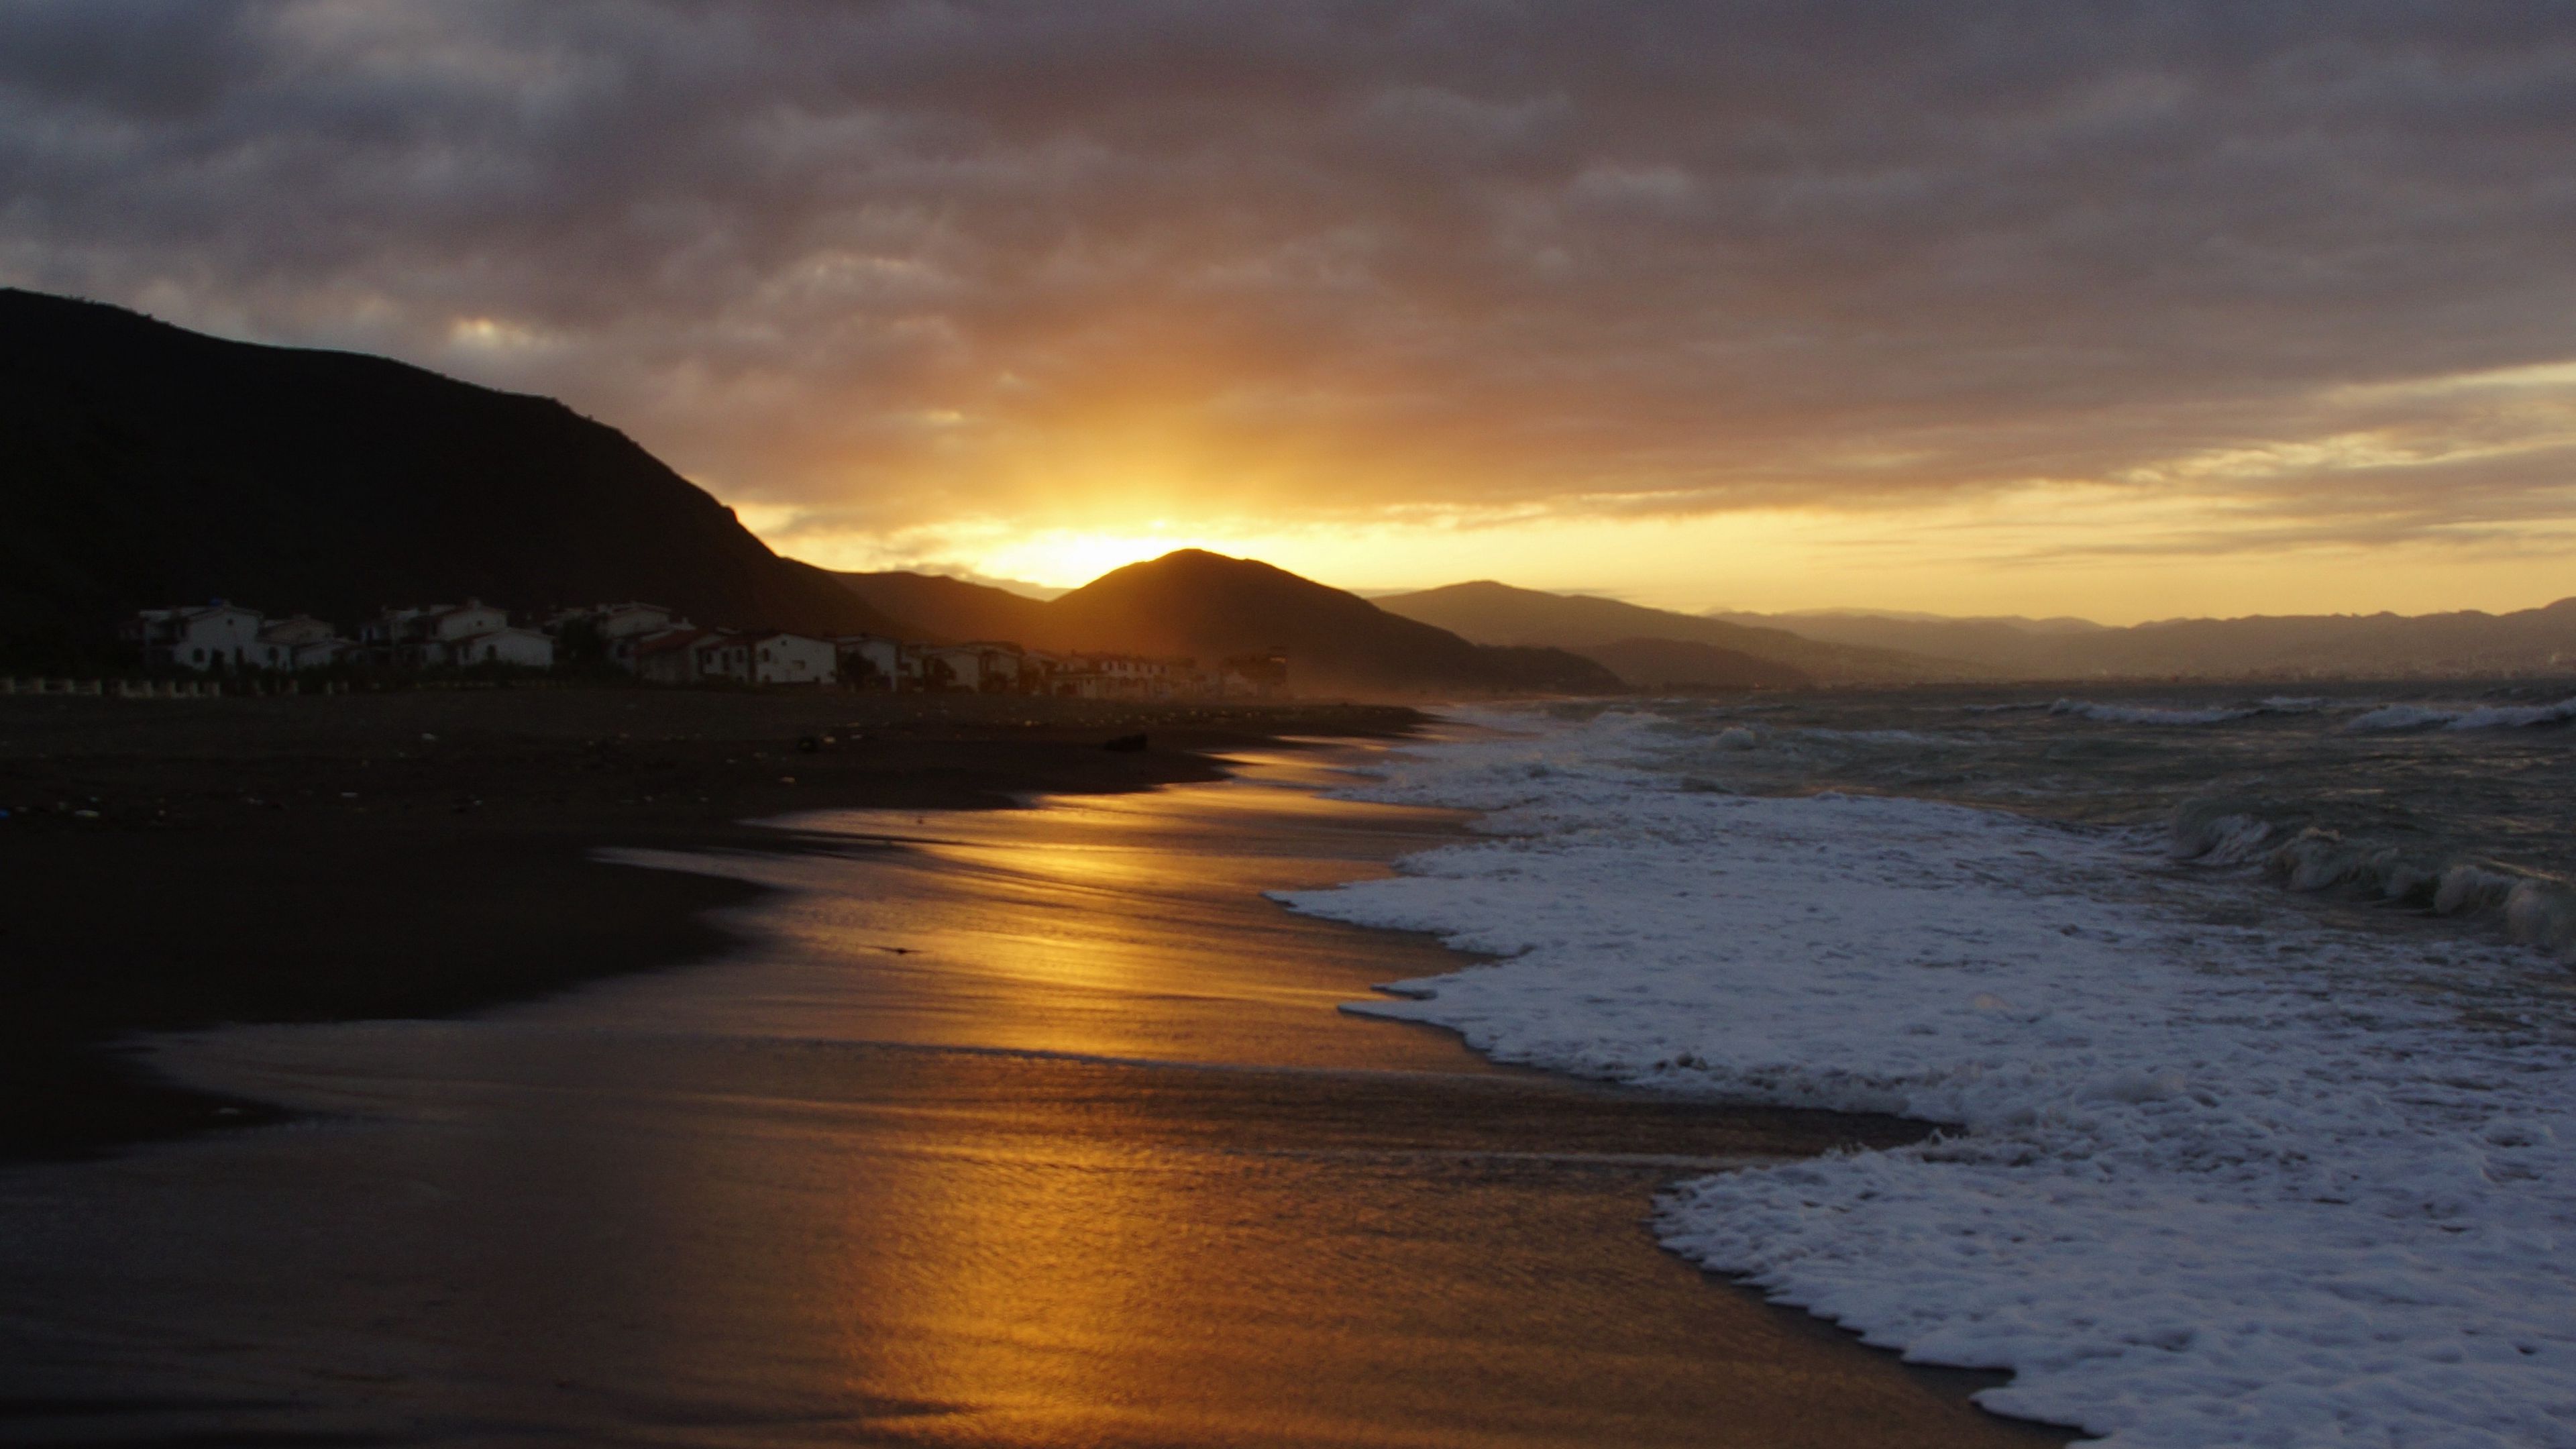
(950, 610)
(1492, 613)
(2527, 641)
(1680, 664)
(1208, 607)
(142, 464)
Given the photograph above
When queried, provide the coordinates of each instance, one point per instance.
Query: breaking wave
(2143, 714)
(2148, 714)
(2530, 909)
(2397, 717)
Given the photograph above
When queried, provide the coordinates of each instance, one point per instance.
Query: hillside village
(656, 645)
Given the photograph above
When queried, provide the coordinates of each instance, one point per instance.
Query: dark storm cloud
(886, 259)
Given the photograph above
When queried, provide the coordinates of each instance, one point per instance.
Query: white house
(302, 642)
(873, 661)
(624, 621)
(520, 648)
(722, 654)
(472, 619)
(209, 636)
(793, 659)
(620, 629)
(1126, 676)
(669, 656)
(997, 667)
(1253, 676)
(952, 667)
(425, 636)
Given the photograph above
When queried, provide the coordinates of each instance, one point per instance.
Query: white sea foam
(2484, 717)
(2209, 1182)
(2393, 717)
(2146, 714)
(1913, 738)
(2215, 838)
(2142, 714)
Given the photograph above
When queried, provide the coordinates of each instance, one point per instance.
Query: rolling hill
(142, 464)
(1492, 613)
(1208, 606)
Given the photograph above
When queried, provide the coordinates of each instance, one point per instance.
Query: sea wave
(2397, 717)
(2149, 714)
(2142, 714)
(2210, 1178)
(2530, 909)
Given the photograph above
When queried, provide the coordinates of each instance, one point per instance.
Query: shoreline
(2127, 1047)
(187, 864)
(1097, 1027)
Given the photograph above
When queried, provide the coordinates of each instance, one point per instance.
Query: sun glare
(1065, 558)
(2110, 554)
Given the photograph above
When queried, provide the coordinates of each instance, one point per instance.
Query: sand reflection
(1033, 1128)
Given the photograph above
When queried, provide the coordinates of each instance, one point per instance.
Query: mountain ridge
(143, 464)
(2456, 642)
(1489, 612)
(1210, 606)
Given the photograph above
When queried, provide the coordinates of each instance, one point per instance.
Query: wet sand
(1009, 1128)
(181, 863)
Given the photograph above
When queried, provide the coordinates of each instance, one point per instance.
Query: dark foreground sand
(181, 863)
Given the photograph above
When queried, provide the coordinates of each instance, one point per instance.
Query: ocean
(2248, 1016)
(2455, 802)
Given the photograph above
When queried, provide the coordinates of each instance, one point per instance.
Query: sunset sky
(2123, 311)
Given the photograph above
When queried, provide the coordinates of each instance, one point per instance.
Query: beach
(1020, 1126)
(179, 863)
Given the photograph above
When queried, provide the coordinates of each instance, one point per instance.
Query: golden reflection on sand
(1039, 1128)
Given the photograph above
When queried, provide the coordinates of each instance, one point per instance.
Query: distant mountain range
(2527, 641)
(142, 464)
(1725, 654)
(1209, 607)
(1660, 648)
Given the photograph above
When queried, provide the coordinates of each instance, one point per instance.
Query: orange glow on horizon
(2114, 556)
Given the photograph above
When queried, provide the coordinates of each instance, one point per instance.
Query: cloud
(894, 264)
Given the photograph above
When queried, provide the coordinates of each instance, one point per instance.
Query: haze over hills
(2054, 624)
(1208, 606)
(1679, 665)
(951, 610)
(1851, 646)
(1494, 613)
(142, 464)
(2526, 641)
